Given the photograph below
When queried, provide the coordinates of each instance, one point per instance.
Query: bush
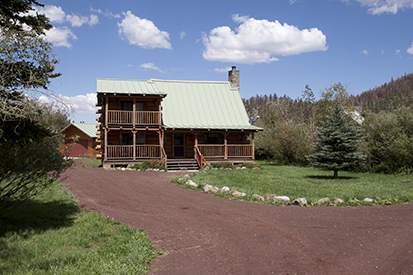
(150, 164)
(389, 141)
(222, 165)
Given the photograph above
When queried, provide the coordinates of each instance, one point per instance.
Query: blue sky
(278, 46)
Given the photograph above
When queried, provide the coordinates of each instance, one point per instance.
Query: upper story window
(128, 106)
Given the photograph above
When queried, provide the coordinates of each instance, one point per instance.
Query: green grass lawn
(311, 183)
(51, 235)
(91, 161)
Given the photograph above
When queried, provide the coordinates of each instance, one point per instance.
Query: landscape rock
(300, 201)
(237, 194)
(186, 177)
(282, 199)
(191, 183)
(323, 200)
(368, 200)
(209, 187)
(270, 196)
(259, 197)
(338, 201)
(225, 190)
(243, 168)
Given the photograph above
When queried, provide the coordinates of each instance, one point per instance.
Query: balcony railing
(226, 151)
(130, 152)
(130, 118)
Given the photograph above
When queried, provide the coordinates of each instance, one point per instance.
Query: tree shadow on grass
(37, 216)
(323, 177)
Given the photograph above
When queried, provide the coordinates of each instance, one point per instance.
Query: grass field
(51, 235)
(312, 184)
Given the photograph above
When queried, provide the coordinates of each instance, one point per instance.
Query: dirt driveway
(203, 234)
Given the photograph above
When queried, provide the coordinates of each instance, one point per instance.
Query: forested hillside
(290, 124)
(390, 96)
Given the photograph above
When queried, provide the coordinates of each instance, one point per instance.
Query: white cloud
(365, 52)
(94, 19)
(222, 70)
(76, 20)
(257, 41)
(54, 13)
(397, 52)
(182, 35)
(150, 66)
(385, 6)
(410, 50)
(107, 13)
(60, 36)
(57, 15)
(82, 104)
(143, 32)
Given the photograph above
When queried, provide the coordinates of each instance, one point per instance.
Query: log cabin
(182, 123)
(84, 135)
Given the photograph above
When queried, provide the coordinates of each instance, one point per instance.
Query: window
(127, 138)
(128, 106)
(213, 138)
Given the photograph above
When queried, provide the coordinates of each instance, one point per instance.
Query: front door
(179, 145)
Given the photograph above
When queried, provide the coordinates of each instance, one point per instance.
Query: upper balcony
(141, 118)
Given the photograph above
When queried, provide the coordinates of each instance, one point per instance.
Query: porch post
(106, 110)
(160, 112)
(225, 146)
(134, 112)
(253, 146)
(106, 128)
(105, 145)
(160, 142)
(134, 143)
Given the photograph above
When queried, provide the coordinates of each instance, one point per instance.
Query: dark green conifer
(337, 142)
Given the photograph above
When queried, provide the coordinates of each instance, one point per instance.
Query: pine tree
(337, 142)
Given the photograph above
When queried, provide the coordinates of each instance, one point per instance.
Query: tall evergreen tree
(30, 157)
(337, 142)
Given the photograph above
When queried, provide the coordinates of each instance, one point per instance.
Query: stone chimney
(233, 77)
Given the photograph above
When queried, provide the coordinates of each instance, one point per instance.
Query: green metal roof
(202, 105)
(119, 86)
(87, 128)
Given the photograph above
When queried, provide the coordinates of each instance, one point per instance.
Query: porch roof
(121, 86)
(202, 105)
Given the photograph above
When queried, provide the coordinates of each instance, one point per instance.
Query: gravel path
(202, 234)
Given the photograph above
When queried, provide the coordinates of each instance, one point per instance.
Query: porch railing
(226, 151)
(130, 153)
(199, 157)
(243, 150)
(129, 117)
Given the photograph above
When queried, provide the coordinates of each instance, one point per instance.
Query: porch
(209, 152)
(146, 118)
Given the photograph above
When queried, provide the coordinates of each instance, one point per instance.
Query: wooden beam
(253, 149)
(106, 110)
(105, 144)
(225, 146)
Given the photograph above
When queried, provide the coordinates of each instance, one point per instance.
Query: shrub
(222, 165)
(150, 164)
(389, 141)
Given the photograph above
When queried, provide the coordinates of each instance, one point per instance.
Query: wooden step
(182, 164)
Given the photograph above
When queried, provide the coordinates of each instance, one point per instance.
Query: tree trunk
(335, 174)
